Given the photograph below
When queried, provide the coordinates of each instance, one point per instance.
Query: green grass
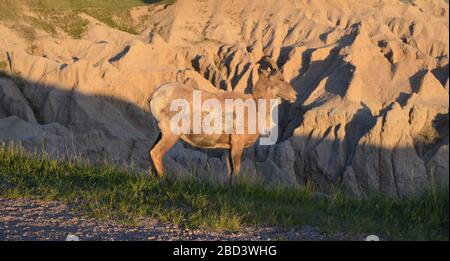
(54, 15)
(3, 65)
(8, 10)
(114, 13)
(70, 23)
(109, 192)
(408, 2)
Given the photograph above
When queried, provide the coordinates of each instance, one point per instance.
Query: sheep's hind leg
(160, 149)
(152, 164)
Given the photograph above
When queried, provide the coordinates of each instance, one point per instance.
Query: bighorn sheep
(270, 85)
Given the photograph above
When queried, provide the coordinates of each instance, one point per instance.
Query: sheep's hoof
(160, 176)
(157, 175)
(152, 173)
(232, 181)
(152, 170)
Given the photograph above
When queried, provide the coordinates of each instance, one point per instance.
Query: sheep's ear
(264, 69)
(264, 72)
(275, 74)
(267, 61)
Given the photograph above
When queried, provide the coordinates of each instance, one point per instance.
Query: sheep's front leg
(235, 154)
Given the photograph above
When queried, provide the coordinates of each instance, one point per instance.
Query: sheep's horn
(273, 65)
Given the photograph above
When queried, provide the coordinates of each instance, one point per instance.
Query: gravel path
(26, 219)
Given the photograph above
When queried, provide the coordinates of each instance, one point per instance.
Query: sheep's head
(271, 82)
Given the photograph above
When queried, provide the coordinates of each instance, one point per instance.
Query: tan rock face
(372, 78)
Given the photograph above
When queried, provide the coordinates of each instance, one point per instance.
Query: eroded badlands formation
(372, 78)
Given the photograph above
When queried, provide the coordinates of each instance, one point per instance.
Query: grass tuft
(109, 192)
(3, 65)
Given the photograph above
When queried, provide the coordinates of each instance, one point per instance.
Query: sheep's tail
(153, 93)
(150, 97)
